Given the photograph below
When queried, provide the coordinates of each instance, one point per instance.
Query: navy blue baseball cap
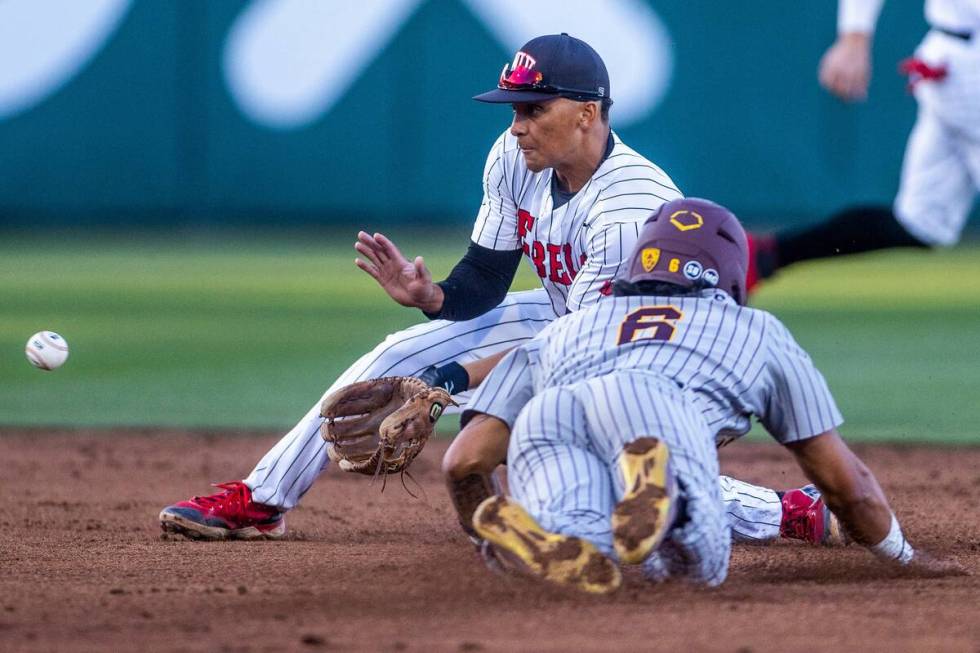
(555, 65)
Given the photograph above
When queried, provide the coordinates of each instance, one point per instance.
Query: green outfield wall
(182, 111)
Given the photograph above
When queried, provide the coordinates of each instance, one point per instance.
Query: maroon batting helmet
(691, 243)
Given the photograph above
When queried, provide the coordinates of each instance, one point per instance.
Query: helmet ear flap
(737, 290)
(737, 294)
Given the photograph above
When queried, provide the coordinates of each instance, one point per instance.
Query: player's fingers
(828, 77)
(854, 87)
(926, 564)
(840, 77)
(367, 241)
(855, 77)
(389, 247)
(861, 86)
(825, 73)
(368, 267)
(365, 238)
(421, 271)
(368, 253)
(839, 87)
(822, 79)
(830, 69)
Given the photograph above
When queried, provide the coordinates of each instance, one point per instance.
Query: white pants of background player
(563, 469)
(941, 168)
(290, 468)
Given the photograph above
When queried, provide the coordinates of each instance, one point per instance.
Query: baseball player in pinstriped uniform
(561, 190)
(616, 410)
(941, 170)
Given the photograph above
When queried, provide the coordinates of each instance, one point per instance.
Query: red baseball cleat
(223, 516)
(806, 517)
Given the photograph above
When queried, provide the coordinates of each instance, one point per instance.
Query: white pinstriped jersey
(576, 249)
(731, 362)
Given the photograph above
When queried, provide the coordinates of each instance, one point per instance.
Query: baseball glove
(379, 426)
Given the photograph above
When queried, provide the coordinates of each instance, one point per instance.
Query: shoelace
(230, 490)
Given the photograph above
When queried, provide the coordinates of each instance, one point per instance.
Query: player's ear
(588, 113)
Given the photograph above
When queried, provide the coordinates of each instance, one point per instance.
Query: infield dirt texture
(189, 359)
(85, 567)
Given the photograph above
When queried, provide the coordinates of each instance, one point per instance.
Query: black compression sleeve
(477, 283)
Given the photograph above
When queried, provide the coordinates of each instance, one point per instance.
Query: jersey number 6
(653, 322)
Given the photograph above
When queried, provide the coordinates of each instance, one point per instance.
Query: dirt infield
(84, 565)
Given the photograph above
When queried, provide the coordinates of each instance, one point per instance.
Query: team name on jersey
(552, 261)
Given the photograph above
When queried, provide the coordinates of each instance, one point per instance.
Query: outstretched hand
(927, 565)
(407, 282)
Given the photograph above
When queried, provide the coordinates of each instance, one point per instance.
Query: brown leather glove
(379, 426)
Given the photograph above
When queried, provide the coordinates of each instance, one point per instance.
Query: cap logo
(686, 220)
(520, 73)
(710, 276)
(649, 258)
(523, 60)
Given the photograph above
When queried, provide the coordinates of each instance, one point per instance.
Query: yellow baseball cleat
(521, 545)
(644, 516)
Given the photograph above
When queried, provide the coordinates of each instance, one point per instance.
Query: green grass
(234, 331)
(897, 334)
(247, 331)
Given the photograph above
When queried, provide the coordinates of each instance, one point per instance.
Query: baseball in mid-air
(46, 350)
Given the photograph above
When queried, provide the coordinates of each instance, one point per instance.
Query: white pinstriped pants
(941, 168)
(563, 468)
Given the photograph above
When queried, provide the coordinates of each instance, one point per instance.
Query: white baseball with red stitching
(46, 350)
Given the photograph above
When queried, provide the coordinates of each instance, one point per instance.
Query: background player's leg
(934, 198)
(971, 154)
(754, 512)
(851, 231)
(936, 190)
(289, 469)
(554, 473)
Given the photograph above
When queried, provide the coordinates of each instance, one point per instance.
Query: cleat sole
(643, 517)
(177, 524)
(525, 546)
